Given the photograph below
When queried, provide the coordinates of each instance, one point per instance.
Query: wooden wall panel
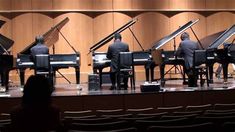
(21, 4)
(22, 32)
(150, 4)
(102, 27)
(181, 19)
(160, 4)
(219, 22)
(6, 28)
(187, 4)
(42, 4)
(80, 37)
(121, 19)
(122, 4)
(102, 4)
(5, 4)
(220, 4)
(73, 4)
(41, 24)
(149, 28)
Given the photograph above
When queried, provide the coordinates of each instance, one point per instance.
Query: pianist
(40, 47)
(113, 53)
(185, 50)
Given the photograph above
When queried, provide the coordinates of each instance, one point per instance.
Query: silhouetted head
(37, 90)
(184, 36)
(39, 39)
(117, 36)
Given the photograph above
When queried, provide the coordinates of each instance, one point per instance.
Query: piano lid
(1, 23)
(110, 36)
(50, 37)
(180, 30)
(5, 44)
(206, 41)
(223, 37)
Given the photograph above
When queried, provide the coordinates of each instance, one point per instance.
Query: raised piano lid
(223, 37)
(50, 37)
(5, 44)
(168, 38)
(110, 36)
(1, 23)
(206, 41)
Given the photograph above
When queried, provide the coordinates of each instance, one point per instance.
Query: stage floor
(82, 89)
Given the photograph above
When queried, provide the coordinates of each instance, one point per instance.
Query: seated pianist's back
(6, 60)
(39, 48)
(57, 61)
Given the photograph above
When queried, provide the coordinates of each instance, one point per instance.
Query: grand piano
(6, 60)
(57, 61)
(141, 58)
(168, 57)
(224, 56)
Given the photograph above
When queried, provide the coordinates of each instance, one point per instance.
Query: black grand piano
(57, 61)
(6, 60)
(221, 55)
(100, 61)
(168, 57)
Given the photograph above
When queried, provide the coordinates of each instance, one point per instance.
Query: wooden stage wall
(92, 20)
(132, 100)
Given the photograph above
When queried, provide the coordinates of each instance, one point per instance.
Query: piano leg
(225, 71)
(162, 73)
(77, 70)
(147, 73)
(210, 67)
(100, 76)
(22, 76)
(5, 78)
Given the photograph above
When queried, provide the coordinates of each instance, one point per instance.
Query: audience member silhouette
(36, 112)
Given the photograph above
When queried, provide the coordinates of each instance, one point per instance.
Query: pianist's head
(184, 36)
(39, 39)
(117, 36)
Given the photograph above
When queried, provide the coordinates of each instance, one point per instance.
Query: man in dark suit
(40, 47)
(113, 53)
(185, 50)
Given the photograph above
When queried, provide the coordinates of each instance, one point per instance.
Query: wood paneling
(182, 18)
(147, 100)
(119, 20)
(219, 22)
(21, 4)
(6, 28)
(42, 4)
(122, 4)
(102, 27)
(41, 24)
(73, 4)
(22, 32)
(5, 4)
(150, 27)
(187, 4)
(220, 4)
(79, 32)
(150, 4)
(102, 4)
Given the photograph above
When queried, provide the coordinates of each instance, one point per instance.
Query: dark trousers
(113, 77)
(192, 78)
